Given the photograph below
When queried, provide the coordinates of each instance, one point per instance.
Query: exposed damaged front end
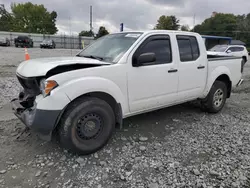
(35, 106)
(25, 108)
(30, 90)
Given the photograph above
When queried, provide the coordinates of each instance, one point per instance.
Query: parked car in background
(23, 41)
(229, 50)
(4, 41)
(48, 43)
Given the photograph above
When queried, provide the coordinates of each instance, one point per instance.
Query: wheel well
(224, 78)
(110, 100)
(244, 57)
(101, 95)
(104, 96)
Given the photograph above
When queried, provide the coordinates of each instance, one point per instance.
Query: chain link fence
(61, 41)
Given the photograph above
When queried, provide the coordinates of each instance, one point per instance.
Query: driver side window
(160, 46)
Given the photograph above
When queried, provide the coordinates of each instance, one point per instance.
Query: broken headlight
(46, 86)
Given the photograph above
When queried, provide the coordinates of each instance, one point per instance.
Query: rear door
(192, 68)
(153, 84)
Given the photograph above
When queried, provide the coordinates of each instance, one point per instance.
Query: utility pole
(121, 27)
(194, 23)
(90, 24)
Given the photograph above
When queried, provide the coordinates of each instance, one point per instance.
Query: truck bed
(234, 64)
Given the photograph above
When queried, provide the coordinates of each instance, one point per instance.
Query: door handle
(201, 67)
(172, 70)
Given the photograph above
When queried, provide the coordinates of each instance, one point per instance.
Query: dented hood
(40, 66)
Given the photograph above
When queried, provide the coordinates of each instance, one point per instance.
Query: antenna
(194, 19)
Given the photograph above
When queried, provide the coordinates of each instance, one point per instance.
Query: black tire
(244, 59)
(73, 124)
(210, 104)
(16, 45)
(243, 62)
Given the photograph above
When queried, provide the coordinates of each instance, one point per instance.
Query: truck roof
(158, 31)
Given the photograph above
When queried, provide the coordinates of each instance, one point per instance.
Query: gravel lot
(174, 147)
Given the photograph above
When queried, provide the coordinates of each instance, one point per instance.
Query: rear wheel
(216, 98)
(87, 125)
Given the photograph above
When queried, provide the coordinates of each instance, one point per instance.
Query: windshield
(46, 40)
(111, 47)
(219, 48)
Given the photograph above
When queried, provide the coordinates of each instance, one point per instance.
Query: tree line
(236, 26)
(29, 18)
(221, 24)
(33, 18)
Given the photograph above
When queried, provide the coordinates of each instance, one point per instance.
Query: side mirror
(229, 51)
(144, 58)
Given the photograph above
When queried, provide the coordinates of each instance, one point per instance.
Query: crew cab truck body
(120, 75)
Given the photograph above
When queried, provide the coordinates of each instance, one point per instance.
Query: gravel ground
(174, 147)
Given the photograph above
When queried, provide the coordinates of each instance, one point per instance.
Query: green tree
(6, 19)
(220, 24)
(185, 28)
(236, 26)
(33, 18)
(86, 33)
(102, 32)
(167, 23)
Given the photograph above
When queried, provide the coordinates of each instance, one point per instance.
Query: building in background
(238, 42)
(214, 14)
(211, 41)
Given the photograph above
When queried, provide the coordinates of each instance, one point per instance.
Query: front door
(153, 84)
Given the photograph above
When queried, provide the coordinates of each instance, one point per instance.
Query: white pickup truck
(83, 98)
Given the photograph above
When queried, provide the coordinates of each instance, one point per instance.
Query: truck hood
(40, 66)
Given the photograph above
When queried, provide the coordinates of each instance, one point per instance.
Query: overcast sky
(135, 14)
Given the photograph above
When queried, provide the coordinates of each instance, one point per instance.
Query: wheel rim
(89, 126)
(218, 98)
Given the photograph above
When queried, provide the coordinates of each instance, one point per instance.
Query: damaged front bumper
(40, 121)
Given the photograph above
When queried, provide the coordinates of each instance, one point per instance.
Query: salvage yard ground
(174, 147)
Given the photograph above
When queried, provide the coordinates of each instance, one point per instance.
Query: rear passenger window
(195, 48)
(188, 48)
(240, 49)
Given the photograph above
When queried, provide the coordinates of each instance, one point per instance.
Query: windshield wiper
(93, 57)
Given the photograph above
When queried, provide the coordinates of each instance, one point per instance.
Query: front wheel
(216, 98)
(87, 125)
